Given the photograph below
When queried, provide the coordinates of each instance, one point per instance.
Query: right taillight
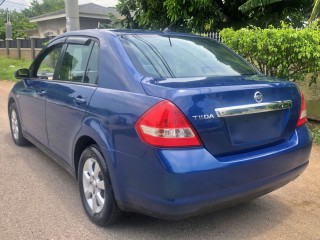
(303, 112)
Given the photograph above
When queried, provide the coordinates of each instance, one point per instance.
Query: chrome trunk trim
(253, 108)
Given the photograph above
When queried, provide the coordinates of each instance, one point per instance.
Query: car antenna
(167, 29)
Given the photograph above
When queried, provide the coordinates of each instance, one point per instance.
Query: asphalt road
(40, 200)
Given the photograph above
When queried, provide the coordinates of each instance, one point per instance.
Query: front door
(32, 99)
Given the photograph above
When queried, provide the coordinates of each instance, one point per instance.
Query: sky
(21, 4)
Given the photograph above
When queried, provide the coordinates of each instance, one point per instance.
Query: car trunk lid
(233, 114)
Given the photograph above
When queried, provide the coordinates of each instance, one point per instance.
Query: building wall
(54, 27)
(91, 23)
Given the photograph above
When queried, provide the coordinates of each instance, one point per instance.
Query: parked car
(165, 124)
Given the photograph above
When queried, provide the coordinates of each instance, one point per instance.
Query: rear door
(69, 94)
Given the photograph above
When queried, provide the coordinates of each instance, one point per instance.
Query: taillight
(164, 125)
(303, 112)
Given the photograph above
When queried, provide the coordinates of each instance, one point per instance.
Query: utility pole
(72, 15)
(8, 27)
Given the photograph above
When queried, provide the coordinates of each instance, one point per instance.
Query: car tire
(95, 187)
(15, 126)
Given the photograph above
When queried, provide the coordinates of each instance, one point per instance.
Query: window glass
(183, 56)
(92, 69)
(48, 64)
(74, 62)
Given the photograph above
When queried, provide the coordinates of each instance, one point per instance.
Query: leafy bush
(315, 132)
(286, 53)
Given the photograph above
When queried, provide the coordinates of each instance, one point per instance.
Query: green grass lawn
(9, 66)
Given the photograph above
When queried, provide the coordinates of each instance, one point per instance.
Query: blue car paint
(173, 188)
(116, 70)
(168, 183)
(202, 97)
(116, 112)
(32, 108)
(64, 115)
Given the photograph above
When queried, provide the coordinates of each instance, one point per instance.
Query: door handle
(79, 100)
(41, 93)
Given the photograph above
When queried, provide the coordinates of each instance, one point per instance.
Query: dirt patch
(6, 85)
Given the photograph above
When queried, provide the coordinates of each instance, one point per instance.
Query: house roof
(90, 10)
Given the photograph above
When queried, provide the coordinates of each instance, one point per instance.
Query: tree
(113, 24)
(251, 4)
(315, 10)
(204, 14)
(125, 7)
(46, 6)
(189, 13)
(20, 20)
(148, 14)
(293, 12)
(211, 15)
(3, 17)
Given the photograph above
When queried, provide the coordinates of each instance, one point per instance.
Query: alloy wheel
(14, 125)
(93, 185)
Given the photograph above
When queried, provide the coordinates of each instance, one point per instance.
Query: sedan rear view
(172, 125)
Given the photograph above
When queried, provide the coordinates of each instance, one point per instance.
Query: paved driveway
(39, 200)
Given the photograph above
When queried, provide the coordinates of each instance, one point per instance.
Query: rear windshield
(167, 56)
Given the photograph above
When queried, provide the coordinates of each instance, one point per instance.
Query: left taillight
(303, 112)
(164, 125)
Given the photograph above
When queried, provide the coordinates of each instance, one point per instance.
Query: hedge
(286, 53)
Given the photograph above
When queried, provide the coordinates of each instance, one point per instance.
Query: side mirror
(22, 73)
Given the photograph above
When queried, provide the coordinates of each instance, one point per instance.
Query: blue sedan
(165, 124)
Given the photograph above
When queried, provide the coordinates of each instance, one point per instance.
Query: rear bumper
(176, 209)
(175, 184)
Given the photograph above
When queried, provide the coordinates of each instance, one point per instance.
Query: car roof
(141, 31)
(117, 32)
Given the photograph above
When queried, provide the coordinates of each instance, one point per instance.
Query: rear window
(167, 56)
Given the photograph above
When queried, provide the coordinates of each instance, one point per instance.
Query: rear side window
(74, 62)
(92, 68)
(167, 56)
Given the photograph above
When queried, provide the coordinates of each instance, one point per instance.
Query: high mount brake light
(164, 125)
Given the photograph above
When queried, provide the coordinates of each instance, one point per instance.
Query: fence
(22, 48)
(213, 35)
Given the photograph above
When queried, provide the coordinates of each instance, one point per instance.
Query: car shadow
(244, 221)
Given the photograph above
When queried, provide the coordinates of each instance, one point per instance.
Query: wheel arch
(82, 143)
(92, 133)
(10, 101)
(88, 135)
(14, 94)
